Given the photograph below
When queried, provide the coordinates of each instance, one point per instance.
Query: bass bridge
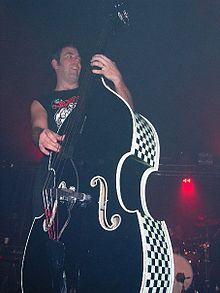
(54, 197)
(69, 196)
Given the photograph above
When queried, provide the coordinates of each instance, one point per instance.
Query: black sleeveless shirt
(59, 104)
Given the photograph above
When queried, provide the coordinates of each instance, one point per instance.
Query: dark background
(170, 58)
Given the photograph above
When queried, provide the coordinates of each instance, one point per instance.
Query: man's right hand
(49, 141)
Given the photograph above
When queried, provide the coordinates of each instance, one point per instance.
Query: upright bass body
(112, 244)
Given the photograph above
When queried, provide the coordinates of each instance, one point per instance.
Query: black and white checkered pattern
(145, 147)
(158, 266)
(158, 261)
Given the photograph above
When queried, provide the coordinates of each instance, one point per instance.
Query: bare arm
(109, 69)
(43, 137)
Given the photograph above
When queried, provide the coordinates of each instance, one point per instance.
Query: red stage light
(187, 186)
(187, 180)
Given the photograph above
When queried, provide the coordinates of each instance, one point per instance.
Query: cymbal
(204, 222)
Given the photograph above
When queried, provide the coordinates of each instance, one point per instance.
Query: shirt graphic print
(63, 109)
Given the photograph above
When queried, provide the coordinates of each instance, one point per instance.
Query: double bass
(96, 233)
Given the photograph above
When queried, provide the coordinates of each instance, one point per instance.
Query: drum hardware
(206, 262)
(205, 245)
(197, 250)
(180, 277)
(191, 251)
(192, 256)
(199, 257)
(183, 274)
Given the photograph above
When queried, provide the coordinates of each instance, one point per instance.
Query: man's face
(69, 67)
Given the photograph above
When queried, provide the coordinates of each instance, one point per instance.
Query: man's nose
(75, 61)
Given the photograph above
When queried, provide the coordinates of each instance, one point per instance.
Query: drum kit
(192, 262)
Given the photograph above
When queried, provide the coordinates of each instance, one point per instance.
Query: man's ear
(54, 64)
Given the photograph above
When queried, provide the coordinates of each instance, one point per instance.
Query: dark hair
(58, 49)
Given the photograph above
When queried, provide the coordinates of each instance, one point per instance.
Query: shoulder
(44, 97)
(36, 106)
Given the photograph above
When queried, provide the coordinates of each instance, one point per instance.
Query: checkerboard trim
(145, 143)
(158, 267)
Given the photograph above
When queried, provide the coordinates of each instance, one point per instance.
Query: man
(48, 114)
(68, 67)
